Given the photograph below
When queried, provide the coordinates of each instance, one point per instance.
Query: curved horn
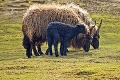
(95, 23)
(99, 27)
(100, 24)
(92, 27)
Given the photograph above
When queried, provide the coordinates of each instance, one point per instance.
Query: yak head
(87, 39)
(25, 42)
(87, 42)
(95, 35)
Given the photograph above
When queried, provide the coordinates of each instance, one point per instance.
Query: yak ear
(92, 27)
(99, 26)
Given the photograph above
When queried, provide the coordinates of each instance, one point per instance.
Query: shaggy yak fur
(37, 18)
(57, 30)
(94, 30)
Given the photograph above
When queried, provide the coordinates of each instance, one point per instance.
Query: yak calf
(66, 32)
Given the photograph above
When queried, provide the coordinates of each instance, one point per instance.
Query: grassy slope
(103, 63)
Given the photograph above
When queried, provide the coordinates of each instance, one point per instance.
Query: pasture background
(100, 64)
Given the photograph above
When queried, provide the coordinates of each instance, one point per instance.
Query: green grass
(100, 64)
(103, 63)
(10, 40)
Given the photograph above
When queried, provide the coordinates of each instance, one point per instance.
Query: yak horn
(100, 24)
(99, 27)
(93, 25)
(92, 28)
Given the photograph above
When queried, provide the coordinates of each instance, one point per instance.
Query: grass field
(100, 64)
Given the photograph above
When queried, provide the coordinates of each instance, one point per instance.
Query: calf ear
(78, 26)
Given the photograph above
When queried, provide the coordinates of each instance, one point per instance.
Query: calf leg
(65, 49)
(50, 48)
(47, 51)
(61, 47)
(65, 44)
(50, 41)
(56, 38)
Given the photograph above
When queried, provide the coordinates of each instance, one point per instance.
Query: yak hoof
(61, 54)
(41, 53)
(46, 53)
(37, 54)
(51, 54)
(67, 50)
(65, 54)
(56, 55)
(29, 56)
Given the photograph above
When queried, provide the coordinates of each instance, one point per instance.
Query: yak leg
(65, 46)
(50, 41)
(47, 51)
(50, 48)
(34, 49)
(56, 38)
(29, 52)
(27, 46)
(61, 47)
(39, 49)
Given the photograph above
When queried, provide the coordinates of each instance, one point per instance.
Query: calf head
(81, 28)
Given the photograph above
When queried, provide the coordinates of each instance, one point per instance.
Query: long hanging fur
(37, 17)
(94, 30)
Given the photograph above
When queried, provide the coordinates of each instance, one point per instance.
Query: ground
(100, 64)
